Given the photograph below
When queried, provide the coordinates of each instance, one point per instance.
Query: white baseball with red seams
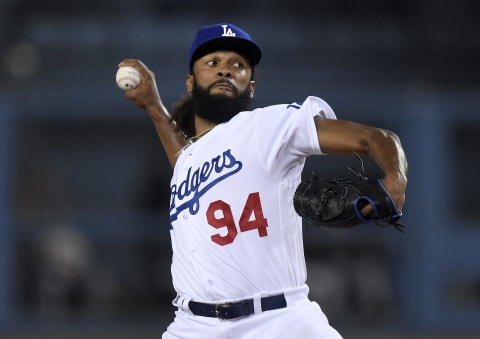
(127, 78)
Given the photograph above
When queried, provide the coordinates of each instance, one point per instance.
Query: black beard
(218, 108)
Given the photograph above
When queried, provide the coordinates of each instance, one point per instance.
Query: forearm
(384, 147)
(345, 137)
(171, 140)
(146, 96)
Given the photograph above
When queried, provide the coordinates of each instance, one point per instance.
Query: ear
(189, 83)
(252, 88)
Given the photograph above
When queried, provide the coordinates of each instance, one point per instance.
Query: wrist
(157, 112)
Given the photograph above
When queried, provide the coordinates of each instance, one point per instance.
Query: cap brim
(244, 47)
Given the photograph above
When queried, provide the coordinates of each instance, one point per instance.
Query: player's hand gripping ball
(127, 78)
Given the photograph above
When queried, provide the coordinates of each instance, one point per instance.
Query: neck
(202, 127)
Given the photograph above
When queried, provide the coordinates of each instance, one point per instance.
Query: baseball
(127, 78)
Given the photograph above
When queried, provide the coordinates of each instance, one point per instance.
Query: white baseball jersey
(234, 230)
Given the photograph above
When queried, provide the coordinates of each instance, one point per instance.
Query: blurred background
(84, 182)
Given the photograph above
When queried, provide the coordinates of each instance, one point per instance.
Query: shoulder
(312, 105)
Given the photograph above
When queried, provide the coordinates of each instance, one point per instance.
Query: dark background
(84, 242)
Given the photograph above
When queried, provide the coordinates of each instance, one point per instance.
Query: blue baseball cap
(224, 36)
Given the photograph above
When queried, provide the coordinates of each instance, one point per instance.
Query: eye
(211, 63)
(237, 64)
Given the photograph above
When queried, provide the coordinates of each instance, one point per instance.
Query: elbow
(402, 158)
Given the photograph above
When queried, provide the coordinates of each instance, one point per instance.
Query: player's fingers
(138, 65)
(367, 211)
(129, 62)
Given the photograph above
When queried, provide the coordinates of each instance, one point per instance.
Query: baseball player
(238, 263)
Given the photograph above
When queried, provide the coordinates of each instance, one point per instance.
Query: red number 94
(219, 215)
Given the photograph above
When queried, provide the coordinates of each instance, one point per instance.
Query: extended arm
(384, 147)
(146, 97)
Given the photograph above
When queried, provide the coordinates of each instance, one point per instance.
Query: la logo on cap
(228, 31)
(223, 36)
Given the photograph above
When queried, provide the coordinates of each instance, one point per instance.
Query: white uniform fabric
(234, 231)
(301, 319)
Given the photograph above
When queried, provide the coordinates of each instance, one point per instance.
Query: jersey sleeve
(286, 134)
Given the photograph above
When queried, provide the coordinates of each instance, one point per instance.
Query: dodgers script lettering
(199, 180)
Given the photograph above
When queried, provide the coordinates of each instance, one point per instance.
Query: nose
(224, 72)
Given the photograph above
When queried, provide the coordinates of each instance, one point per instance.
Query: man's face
(220, 87)
(222, 72)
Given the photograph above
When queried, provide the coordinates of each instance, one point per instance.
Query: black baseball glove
(337, 202)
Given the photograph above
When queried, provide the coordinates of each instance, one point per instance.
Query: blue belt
(238, 309)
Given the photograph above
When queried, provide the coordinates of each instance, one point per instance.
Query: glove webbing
(388, 221)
